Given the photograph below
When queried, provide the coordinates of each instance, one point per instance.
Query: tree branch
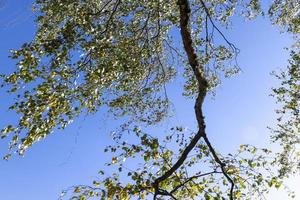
(192, 178)
(222, 165)
(202, 88)
(198, 70)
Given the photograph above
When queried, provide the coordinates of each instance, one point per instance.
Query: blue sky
(240, 112)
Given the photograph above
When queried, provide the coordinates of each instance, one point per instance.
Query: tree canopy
(119, 55)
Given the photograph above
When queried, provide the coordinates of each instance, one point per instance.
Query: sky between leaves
(240, 112)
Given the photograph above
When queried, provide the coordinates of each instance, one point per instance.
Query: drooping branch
(232, 46)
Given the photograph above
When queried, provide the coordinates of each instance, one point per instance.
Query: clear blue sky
(239, 113)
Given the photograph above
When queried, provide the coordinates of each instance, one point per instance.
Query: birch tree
(119, 55)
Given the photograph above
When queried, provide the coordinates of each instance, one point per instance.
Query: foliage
(88, 54)
(287, 15)
(250, 169)
(288, 127)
